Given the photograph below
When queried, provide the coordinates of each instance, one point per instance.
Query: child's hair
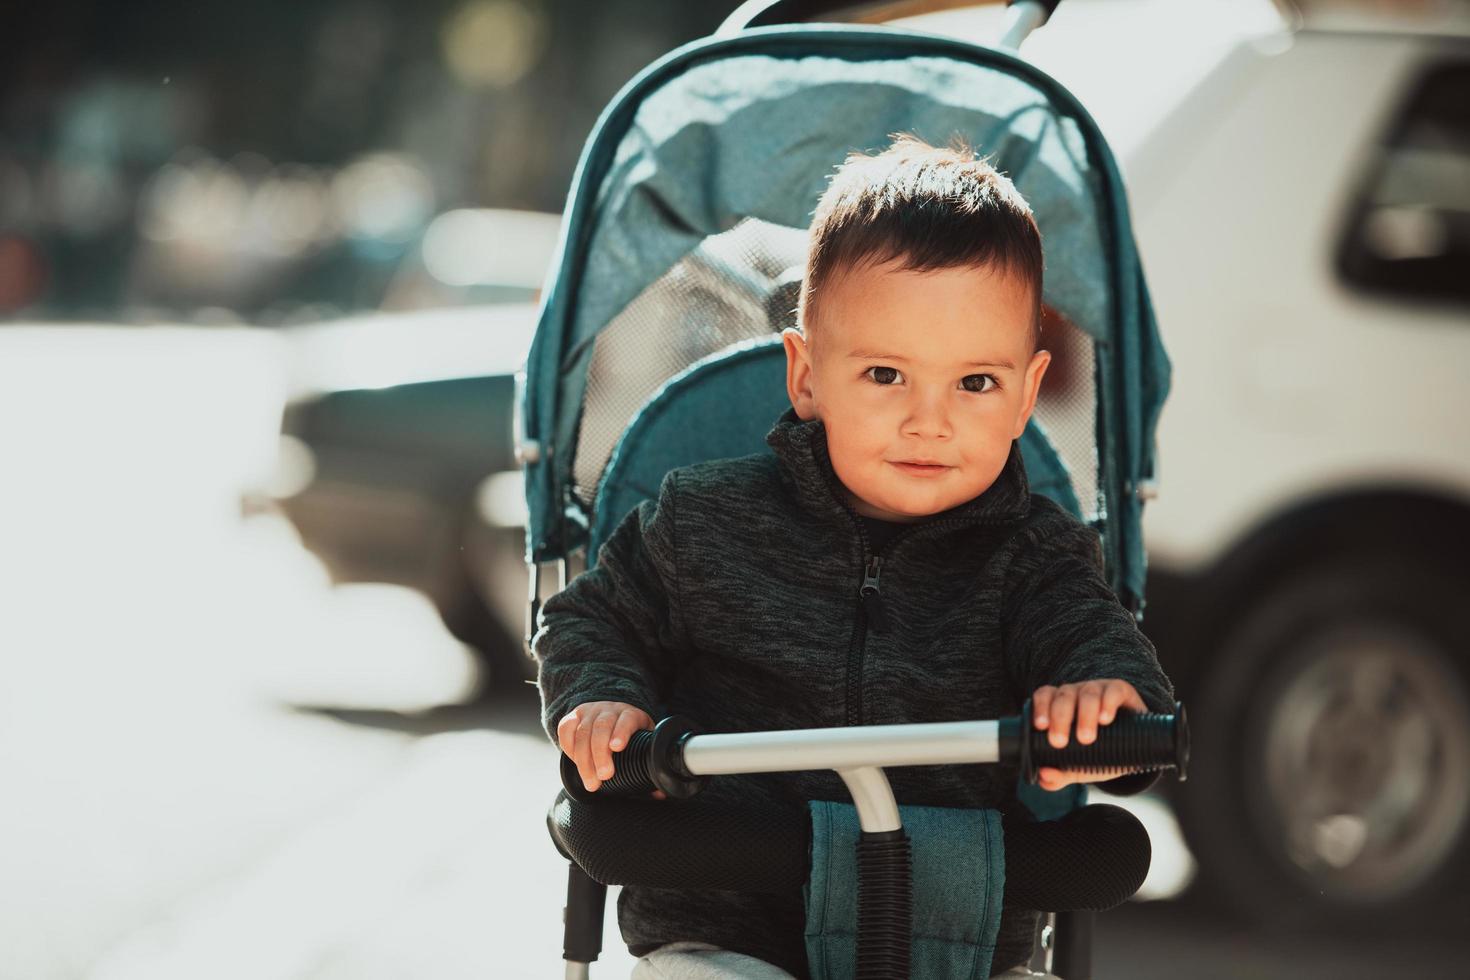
(933, 208)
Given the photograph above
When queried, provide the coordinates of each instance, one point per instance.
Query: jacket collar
(806, 468)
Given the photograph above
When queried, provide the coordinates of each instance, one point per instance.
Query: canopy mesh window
(686, 235)
(736, 285)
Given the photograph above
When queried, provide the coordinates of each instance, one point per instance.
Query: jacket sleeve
(1063, 624)
(613, 633)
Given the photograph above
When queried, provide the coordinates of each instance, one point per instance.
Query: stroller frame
(547, 443)
(554, 534)
(676, 758)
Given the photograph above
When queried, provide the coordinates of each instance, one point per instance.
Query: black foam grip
(1129, 744)
(1096, 857)
(631, 771)
(633, 767)
(652, 760)
(1134, 742)
(684, 843)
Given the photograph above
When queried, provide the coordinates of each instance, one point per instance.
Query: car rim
(1367, 761)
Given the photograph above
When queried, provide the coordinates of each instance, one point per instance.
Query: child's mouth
(922, 469)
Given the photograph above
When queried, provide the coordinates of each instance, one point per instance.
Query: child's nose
(928, 417)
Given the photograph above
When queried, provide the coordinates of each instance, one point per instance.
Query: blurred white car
(396, 462)
(1307, 237)
(1300, 185)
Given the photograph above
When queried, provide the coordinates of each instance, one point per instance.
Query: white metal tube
(928, 744)
(735, 22)
(877, 810)
(1021, 19)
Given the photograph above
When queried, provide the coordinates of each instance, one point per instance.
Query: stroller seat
(685, 229)
(681, 254)
(690, 419)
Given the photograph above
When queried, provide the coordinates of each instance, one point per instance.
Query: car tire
(470, 620)
(1330, 781)
(460, 595)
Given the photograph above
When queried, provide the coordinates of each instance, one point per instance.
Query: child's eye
(884, 375)
(979, 382)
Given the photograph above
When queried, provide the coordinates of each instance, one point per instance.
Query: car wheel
(462, 594)
(1330, 782)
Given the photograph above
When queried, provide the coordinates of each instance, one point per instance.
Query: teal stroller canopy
(684, 242)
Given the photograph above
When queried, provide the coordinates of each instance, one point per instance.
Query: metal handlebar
(676, 758)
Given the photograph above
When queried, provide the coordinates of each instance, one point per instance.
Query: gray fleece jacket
(734, 600)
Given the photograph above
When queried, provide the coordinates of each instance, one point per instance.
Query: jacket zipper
(870, 607)
(871, 611)
(854, 685)
(872, 596)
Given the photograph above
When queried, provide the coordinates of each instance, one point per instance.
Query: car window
(1408, 232)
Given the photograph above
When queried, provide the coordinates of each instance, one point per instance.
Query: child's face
(922, 380)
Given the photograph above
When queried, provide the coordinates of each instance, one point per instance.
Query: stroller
(658, 346)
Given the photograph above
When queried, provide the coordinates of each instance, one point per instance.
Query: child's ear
(799, 373)
(1030, 388)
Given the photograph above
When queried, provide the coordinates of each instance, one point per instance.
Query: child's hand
(1093, 703)
(590, 733)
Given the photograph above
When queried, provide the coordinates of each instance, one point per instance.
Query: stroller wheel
(1332, 777)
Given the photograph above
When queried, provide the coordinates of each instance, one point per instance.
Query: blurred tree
(263, 107)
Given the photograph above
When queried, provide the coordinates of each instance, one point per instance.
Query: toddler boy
(886, 565)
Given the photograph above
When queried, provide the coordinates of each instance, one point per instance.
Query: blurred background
(266, 275)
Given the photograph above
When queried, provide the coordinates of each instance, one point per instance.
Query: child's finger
(1119, 694)
(601, 731)
(628, 723)
(1062, 707)
(582, 755)
(1089, 701)
(566, 732)
(1052, 779)
(1041, 705)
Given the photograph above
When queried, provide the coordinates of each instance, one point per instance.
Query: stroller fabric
(683, 245)
(732, 601)
(748, 375)
(958, 882)
(686, 233)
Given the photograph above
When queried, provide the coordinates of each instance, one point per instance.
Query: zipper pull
(873, 597)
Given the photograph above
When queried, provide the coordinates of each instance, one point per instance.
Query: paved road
(1184, 938)
(215, 764)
